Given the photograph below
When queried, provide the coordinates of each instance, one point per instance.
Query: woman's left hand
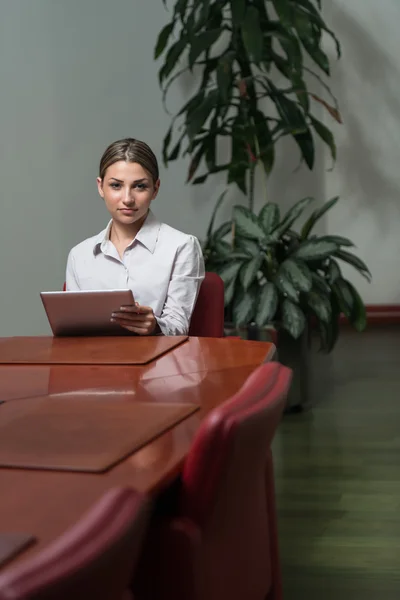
(135, 318)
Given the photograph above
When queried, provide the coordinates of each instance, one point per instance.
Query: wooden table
(202, 371)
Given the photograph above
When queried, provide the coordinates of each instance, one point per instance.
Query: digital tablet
(87, 313)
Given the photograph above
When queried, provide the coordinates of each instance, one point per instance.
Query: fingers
(141, 329)
(135, 318)
(136, 309)
(129, 316)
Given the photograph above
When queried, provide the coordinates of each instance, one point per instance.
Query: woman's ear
(156, 188)
(100, 186)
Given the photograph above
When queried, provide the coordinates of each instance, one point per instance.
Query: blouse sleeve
(187, 274)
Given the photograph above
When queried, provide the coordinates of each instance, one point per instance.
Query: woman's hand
(135, 318)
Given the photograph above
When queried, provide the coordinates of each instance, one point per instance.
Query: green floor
(337, 471)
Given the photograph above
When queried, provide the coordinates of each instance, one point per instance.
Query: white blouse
(162, 266)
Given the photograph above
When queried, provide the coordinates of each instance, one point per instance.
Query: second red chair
(221, 543)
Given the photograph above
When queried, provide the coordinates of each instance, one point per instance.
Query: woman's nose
(128, 198)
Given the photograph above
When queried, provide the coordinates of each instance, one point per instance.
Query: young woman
(163, 267)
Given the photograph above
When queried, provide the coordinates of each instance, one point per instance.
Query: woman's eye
(141, 186)
(115, 186)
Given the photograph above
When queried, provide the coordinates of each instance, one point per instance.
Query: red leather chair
(220, 541)
(208, 315)
(94, 560)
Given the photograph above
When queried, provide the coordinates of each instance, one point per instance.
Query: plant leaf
(224, 77)
(338, 239)
(230, 272)
(293, 214)
(200, 179)
(334, 271)
(265, 140)
(163, 39)
(321, 306)
(315, 249)
(246, 223)
(358, 317)
(248, 246)
(293, 319)
(267, 304)
(248, 272)
(355, 262)
(269, 217)
(222, 230)
(202, 42)
(298, 273)
(305, 142)
(214, 213)
(316, 215)
(243, 307)
(343, 296)
(326, 135)
(283, 10)
(172, 58)
(332, 110)
(196, 119)
(284, 284)
(238, 9)
(229, 292)
(252, 34)
(320, 283)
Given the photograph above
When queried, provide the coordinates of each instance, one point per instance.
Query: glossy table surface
(202, 371)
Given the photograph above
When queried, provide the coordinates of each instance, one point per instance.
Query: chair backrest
(228, 488)
(95, 559)
(208, 315)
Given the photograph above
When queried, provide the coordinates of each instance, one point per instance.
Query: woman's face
(128, 190)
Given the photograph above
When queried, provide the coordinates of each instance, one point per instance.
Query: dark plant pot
(295, 354)
(292, 353)
(250, 332)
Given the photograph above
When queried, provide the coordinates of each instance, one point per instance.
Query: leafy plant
(276, 275)
(235, 49)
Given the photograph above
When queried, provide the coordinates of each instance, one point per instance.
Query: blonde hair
(129, 150)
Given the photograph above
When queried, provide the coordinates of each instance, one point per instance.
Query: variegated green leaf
(316, 215)
(293, 214)
(249, 246)
(243, 307)
(358, 317)
(298, 273)
(315, 250)
(286, 287)
(334, 271)
(267, 304)
(320, 283)
(269, 217)
(338, 239)
(321, 306)
(230, 272)
(249, 270)
(293, 320)
(246, 223)
(355, 262)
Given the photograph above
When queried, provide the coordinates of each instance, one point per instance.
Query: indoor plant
(279, 275)
(254, 64)
(275, 274)
(236, 51)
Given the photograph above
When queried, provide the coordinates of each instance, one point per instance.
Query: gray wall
(78, 74)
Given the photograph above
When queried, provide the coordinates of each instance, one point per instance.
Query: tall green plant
(236, 48)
